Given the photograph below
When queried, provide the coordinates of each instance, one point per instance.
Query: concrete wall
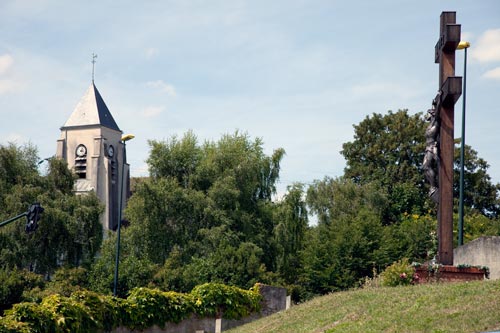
(484, 251)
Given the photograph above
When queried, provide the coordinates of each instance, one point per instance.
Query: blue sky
(298, 74)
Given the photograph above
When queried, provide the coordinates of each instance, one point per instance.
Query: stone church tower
(91, 144)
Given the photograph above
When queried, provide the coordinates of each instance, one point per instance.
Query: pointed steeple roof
(91, 110)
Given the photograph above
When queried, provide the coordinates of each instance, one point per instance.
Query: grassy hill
(454, 307)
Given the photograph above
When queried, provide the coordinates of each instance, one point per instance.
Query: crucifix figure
(450, 89)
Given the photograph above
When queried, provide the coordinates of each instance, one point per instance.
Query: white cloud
(152, 111)
(487, 48)
(163, 87)
(493, 74)
(6, 62)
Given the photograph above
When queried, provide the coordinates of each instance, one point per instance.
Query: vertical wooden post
(450, 91)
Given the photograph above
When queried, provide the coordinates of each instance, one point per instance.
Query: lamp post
(462, 46)
(124, 139)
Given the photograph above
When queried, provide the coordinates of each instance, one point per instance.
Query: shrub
(214, 299)
(155, 307)
(37, 317)
(106, 311)
(70, 315)
(397, 274)
(87, 311)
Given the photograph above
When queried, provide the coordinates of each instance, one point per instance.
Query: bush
(87, 311)
(106, 311)
(38, 318)
(214, 299)
(399, 273)
(156, 307)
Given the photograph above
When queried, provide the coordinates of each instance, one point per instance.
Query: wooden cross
(450, 89)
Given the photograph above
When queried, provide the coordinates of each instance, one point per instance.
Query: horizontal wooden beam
(451, 90)
(448, 41)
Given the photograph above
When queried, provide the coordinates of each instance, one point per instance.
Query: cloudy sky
(298, 74)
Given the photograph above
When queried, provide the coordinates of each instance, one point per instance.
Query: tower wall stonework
(93, 149)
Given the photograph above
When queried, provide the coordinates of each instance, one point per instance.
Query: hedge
(86, 311)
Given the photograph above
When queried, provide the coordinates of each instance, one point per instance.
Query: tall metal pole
(462, 152)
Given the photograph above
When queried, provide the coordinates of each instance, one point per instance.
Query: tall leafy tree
(195, 191)
(289, 232)
(345, 245)
(69, 232)
(389, 149)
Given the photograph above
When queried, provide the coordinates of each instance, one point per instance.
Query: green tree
(389, 149)
(480, 194)
(69, 232)
(289, 232)
(345, 245)
(226, 184)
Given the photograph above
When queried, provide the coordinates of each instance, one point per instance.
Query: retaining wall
(484, 251)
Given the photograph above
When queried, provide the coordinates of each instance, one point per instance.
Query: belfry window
(81, 162)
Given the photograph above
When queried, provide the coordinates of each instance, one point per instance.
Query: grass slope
(452, 307)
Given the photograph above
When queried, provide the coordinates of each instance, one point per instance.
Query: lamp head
(127, 137)
(463, 45)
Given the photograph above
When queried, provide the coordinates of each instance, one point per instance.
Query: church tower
(91, 144)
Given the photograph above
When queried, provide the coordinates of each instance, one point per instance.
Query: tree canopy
(389, 149)
(209, 212)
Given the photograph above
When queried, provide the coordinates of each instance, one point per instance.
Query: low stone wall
(484, 251)
(274, 300)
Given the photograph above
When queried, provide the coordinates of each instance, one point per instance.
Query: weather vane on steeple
(94, 56)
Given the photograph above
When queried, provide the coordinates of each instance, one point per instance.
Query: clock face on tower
(111, 151)
(81, 150)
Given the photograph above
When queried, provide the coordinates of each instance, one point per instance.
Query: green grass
(452, 307)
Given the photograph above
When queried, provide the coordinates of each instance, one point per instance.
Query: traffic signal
(33, 216)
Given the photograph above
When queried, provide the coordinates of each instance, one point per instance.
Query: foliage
(347, 242)
(477, 225)
(214, 299)
(69, 231)
(210, 203)
(388, 149)
(480, 194)
(134, 271)
(13, 283)
(289, 232)
(66, 281)
(414, 238)
(108, 312)
(156, 307)
(39, 318)
(400, 273)
(86, 311)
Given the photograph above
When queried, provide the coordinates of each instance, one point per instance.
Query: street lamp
(462, 46)
(124, 139)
